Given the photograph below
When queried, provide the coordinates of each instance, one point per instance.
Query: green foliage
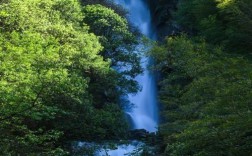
(56, 83)
(226, 22)
(108, 4)
(119, 43)
(206, 96)
(119, 47)
(205, 87)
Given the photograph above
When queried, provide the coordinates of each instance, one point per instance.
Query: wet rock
(139, 134)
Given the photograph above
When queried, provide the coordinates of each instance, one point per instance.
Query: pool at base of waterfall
(123, 148)
(133, 148)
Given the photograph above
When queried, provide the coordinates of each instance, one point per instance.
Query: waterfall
(145, 113)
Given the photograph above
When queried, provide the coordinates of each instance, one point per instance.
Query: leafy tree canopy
(57, 78)
(206, 95)
(219, 21)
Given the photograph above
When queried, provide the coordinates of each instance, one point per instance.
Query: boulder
(138, 134)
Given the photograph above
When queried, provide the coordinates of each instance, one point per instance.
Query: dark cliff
(161, 11)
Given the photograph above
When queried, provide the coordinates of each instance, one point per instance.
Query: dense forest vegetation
(58, 74)
(67, 66)
(206, 79)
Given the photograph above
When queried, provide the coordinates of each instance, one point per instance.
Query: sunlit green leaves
(58, 81)
(44, 54)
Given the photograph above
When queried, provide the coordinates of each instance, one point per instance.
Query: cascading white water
(145, 113)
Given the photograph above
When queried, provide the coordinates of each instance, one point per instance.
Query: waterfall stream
(145, 113)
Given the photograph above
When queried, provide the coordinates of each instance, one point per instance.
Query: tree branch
(24, 110)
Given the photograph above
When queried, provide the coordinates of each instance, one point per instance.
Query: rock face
(151, 140)
(138, 134)
(143, 135)
(161, 11)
